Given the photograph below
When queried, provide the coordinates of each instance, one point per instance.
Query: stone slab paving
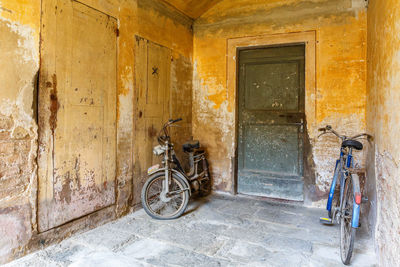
(221, 230)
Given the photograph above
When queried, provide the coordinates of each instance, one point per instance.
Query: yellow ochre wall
(19, 65)
(341, 30)
(383, 121)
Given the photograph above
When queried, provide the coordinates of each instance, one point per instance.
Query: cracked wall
(340, 28)
(383, 122)
(20, 61)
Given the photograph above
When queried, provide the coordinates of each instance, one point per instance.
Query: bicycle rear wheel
(347, 232)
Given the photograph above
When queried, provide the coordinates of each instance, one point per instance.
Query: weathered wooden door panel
(77, 112)
(152, 71)
(271, 118)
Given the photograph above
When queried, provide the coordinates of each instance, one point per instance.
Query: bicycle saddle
(191, 145)
(352, 144)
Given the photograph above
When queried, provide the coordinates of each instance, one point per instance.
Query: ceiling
(193, 8)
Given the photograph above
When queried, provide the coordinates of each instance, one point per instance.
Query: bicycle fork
(166, 183)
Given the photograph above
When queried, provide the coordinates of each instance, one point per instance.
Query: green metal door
(271, 122)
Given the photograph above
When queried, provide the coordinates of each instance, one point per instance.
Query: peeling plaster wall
(340, 27)
(383, 121)
(19, 64)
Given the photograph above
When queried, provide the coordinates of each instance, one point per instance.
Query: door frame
(235, 44)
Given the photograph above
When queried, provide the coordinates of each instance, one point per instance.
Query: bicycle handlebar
(174, 121)
(329, 129)
(165, 137)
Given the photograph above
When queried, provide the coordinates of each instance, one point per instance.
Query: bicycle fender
(177, 173)
(356, 207)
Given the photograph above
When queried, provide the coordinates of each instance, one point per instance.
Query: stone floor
(219, 231)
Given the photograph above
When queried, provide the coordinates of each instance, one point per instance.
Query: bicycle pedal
(327, 221)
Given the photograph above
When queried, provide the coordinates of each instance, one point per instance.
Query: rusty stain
(151, 131)
(77, 169)
(54, 105)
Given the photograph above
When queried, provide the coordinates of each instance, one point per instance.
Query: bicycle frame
(344, 163)
(171, 163)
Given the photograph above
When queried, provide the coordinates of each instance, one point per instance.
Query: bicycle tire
(145, 191)
(347, 232)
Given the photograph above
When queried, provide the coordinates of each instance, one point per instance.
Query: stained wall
(20, 62)
(383, 121)
(341, 30)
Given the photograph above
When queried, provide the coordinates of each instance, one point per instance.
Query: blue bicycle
(345, 194)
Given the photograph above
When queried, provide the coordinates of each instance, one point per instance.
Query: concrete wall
(341, 30)
(20, 62)
(383, 121)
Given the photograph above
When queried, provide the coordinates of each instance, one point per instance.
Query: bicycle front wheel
(347, 232)
(164, 207)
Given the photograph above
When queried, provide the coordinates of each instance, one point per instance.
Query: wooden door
(271, 121)
(152, 72)
(77, 112)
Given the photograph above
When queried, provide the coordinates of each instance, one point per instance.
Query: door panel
(271, 148)
(77, 112)
(272, 86)
(152, 68)
(271, 120)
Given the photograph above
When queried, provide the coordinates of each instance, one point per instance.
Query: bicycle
(165, 194)
(345, 198)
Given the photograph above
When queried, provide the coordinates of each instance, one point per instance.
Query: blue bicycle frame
(355, 182)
